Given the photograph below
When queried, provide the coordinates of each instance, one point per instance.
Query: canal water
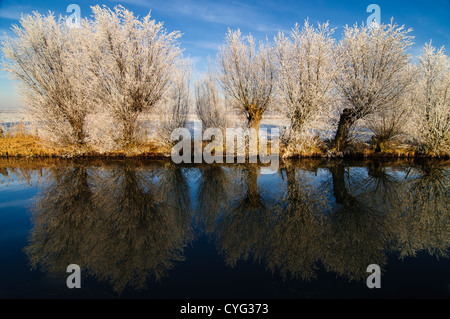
(153, 229)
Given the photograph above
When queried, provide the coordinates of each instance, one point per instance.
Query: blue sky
(204, 23)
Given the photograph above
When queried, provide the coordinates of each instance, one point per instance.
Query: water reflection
(356, 235)
(129, 222)
(124, 223)
(242, 229)
(297, 241)
(423, 221)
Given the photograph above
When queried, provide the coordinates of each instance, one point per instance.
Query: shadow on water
(129, 222)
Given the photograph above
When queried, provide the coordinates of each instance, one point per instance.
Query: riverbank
(32, 146)
(27, 145)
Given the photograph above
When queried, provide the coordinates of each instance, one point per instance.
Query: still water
(152, 229)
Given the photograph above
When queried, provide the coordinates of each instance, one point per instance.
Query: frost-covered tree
(209, 104)
(106, 73)
(173, 109)
(432, 101)
(390, 123)
(45, 57)
(305, 78)
(373, 66)
(247, 75)
(132, 62)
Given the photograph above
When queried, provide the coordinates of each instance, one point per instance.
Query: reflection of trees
(286, 234)
(62, 215)
(424, 220)
(384, 212)
(142, 227)
(357, 235)
(213, 195)
(243, 228)
(23, 170)
(376, 211)
(4, 172)
(381, 188)
(127, 224)
(173, 189)
(297, 233)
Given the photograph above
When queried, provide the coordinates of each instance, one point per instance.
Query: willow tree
(390, 123)
(373, 75)
(132, 62)
(247, 75)
(173, 109)
(306, 73)
(432, 101)
(44, 56)
(209, 104)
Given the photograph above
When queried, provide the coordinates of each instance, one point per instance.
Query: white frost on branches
(132, 63)
(100, 85)
(305, 79)
(209, 104)
(373, 73)
(432, 101)
(44, 57)
(173, 110)
(91, 84)
(247, 75)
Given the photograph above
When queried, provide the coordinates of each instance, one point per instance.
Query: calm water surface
(152, 229)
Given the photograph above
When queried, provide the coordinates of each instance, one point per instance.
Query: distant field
(7, 116)
(12, 116)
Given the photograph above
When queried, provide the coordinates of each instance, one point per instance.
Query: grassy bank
(22, 141)
(32, 146)
(28, 145)
(24, 145)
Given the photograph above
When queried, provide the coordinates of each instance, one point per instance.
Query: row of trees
(94, 85)
(325, 87)
(89, 85)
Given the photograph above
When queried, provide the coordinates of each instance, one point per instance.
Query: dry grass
(18, 141)
(27, 146)
(32, 146)
(316, 149)
(148, 149)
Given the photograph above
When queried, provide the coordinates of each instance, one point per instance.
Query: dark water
(153, 229)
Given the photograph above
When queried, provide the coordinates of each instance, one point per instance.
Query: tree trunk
(77, 126)
(294, 197)
(378, 144)
(80, 137)
(128, 135)
(252, 197)
(346, 121)
(339, 190)
(254, 120)
(128, 131)
(374, 169)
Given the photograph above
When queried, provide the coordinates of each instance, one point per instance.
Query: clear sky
(204, 23)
